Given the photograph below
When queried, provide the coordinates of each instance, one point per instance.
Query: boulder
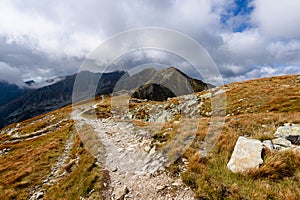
(290, 132)
(246, 155)
(288, 129)
(282, 142)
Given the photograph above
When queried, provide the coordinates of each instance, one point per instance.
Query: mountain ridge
(37, 101)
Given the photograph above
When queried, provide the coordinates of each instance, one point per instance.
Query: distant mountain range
(18, 104)
(10, 92)
(34, 102)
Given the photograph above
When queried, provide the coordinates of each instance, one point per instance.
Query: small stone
(39, 195)
(184, 160)
(121, 192)
(177, 183)
(147, 149)
(282, 142)
(160, 187)
(268, 144)
(114, 169)
(152, 151)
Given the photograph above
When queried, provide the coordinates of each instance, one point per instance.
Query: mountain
(30, 82)
(57, 92)
(153, 92)
(41, 100)
(86, 151)
(171, 78)
(9, 92)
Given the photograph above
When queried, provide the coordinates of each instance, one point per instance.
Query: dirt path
(135, 170)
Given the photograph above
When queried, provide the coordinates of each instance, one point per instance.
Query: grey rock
(114, 169)
(246, 155)
(268, 144)
(205, 96)
(177, 183)
(282, 142)
(294, 139)
(288, 129)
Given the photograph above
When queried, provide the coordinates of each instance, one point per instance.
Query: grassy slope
(254, 108)
(29, 162)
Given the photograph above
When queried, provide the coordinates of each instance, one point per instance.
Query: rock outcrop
(153, 92)
(290, 132)
(247, 153)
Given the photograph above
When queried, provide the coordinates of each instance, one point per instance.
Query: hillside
(146, 149)
(9, 92)
(19, 105)
(38, 101)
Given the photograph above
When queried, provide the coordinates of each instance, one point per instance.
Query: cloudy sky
(246, 38)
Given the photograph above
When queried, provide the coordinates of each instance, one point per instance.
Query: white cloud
(55, 37)
(10, 74)
(285, 51)
(277, 18)
(48, 38)
(244, 47)
(265, 71)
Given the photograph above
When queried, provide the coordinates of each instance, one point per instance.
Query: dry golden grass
(29, 162)
(82, 179)
(254, 108)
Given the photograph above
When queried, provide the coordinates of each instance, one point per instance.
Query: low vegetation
(254, 108)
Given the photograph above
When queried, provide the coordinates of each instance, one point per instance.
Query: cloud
(277, 18)
(265, 71)
(10, 74)
(43, 39)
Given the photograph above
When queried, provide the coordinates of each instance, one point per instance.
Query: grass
(29, 162)
(254, 108)
(83, 180)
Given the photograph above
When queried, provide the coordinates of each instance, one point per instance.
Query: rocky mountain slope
(22, 104)
(154, 150)
(175, 80)
(38, 101)
(9, 92)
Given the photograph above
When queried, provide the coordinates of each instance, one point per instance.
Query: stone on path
(121, 192)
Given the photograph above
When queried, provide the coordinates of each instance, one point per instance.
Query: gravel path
(135, 170)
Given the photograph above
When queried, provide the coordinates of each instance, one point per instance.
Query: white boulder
(246, 155)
